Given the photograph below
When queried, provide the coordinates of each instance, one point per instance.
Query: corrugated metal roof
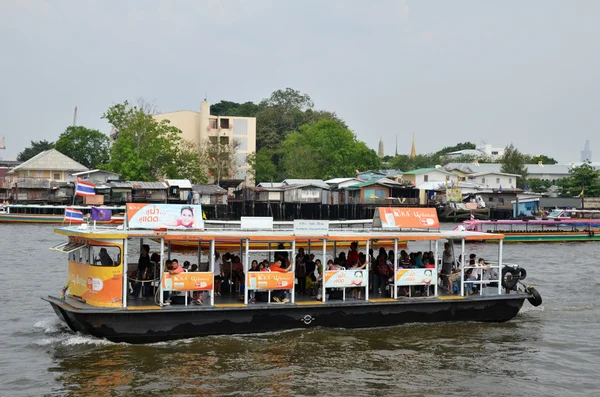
(120, 185)
(181, 183)
(50, 160)
(209, 189)
(149, 185)
(376, 181)
(306, 182)
(424, 170)
(270, 184)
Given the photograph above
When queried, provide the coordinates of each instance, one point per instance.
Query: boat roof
(552, 221)
(275, 235)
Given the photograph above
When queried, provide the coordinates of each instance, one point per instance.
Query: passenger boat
(52, 214)
(560, 225)
(96, 299)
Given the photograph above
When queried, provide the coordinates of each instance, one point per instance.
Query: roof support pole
(395, 267)
(211, 269)
(246, 268)
(125, 277)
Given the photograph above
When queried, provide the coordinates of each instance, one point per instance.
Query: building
(50, 165)
(429, 180)
(200, 127)
(586, 153)
(97, 176)
(494, 180)
(549, 172)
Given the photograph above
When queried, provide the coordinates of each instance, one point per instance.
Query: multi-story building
(200, 127)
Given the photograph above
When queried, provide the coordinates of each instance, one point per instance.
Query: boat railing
(355, 225)
(484, 283)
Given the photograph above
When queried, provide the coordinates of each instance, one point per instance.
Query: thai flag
(72, 215)
(85, 189)
(472, 217)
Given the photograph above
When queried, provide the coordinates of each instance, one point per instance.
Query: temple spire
(380, 153)
(413, 152)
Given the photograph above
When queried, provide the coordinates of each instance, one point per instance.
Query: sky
(499, 72)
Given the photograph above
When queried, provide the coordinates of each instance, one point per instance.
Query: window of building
(509, 180)
(38, 174)
(425, 178)
(491, 198)
(212, 123)
(56, 177)
(497, 180)
(242, 143)
(483, 180)
(225, 124)
(494, 153)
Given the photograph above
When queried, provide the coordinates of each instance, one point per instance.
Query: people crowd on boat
(229, 277)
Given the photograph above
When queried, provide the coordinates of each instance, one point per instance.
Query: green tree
(86, 146)
(543, 158)
(146, 149)
(220, 157)
(583, 178)
(457, 147)
(228, 108)
(36, 148)
(324, 150)
(537, 185)
(513, 162)
(262, 166)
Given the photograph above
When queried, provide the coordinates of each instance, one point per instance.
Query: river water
(553, 349)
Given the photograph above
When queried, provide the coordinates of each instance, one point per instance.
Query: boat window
(554, 214)
(68, 247)
(105, 255)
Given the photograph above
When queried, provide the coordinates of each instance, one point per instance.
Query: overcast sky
(525, 72)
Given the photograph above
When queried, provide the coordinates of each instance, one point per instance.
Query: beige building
(199, 127)
(50, 165)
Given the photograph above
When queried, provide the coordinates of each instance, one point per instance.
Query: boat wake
(57, 333)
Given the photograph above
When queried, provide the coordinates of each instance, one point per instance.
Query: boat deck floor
(230, 301)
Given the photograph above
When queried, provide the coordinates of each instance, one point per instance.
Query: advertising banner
(167, 216)
(97, 285)
(454, 195)
(188, 281)
(346, 278)
(405, 277)
(410, 218)
(270, 280)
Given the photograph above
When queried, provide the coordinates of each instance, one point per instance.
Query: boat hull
(548, 237)
(48, 219)
(154, 324)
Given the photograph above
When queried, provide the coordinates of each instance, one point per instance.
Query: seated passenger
(279, 295)
(104, 258)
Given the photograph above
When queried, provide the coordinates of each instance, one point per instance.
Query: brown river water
(551, 350)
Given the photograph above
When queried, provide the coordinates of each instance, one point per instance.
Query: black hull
(148, 326)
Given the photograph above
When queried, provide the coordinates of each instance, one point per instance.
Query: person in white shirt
(218, 272)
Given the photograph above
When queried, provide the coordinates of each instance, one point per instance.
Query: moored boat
(96, 299)
(558, 226)
(53, 214)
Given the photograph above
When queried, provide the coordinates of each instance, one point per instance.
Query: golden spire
(413, 152)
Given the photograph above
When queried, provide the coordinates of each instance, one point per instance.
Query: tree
(289, 99)
(583, 178)
(146, 149)
(513, 162)
(86, 146)
(36, 148)
(537, 185)
(220, 157)
(228, 108)
(543, 158)
(457, 147)
(324, 150)
(262, 166)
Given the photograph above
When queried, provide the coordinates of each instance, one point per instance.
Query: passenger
(104, 258)
(419, 260)
(218, 272)
(300, 254)
(382, 273)
(175, 268)
(194, 268)
(282, 253)
(342, 259)
(318, 286)
(301, 272)
(279, 295)
(470, 275)
(254, 267)
(447, 260)
(186, 266)
(353, 253)
(237, 274)
(310, 273)
(142, 272)
(404, 259)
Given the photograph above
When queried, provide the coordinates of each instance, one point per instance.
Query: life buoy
(510, 277)
(522, 273)
(536, 298)
(591, 233)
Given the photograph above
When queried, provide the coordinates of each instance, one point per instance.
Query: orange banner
(188, 281)
(270, 280)
(411, 218)
(97, 285)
